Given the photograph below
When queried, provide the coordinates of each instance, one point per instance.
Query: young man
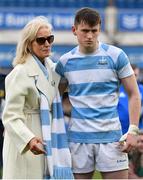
(93, 71)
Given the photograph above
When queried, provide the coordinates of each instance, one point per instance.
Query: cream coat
(21, 119)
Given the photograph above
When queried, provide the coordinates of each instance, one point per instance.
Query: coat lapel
(43, 85)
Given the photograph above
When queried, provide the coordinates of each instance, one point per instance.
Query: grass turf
(97, 175)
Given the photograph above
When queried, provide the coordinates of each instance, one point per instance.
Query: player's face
(87, 37)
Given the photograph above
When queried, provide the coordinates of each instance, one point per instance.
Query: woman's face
(41, 46)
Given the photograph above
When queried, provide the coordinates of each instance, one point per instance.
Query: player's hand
(129, 143)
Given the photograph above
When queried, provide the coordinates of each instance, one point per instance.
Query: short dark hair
(88, 16)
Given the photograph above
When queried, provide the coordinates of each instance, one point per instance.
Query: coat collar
(32, 66)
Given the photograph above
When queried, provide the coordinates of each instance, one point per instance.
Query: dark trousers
(1, 142)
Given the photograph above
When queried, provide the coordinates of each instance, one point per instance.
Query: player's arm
(131, 87)
(63, 86)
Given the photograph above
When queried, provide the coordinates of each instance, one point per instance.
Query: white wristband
(133, 129)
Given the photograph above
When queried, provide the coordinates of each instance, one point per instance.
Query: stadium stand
(122, 21)
(54, 3)
(122, 4)
(129, 4)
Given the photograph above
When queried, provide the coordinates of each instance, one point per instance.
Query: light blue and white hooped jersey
(94, 82)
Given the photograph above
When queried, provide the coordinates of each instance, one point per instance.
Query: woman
(24, 151)
(136, 160)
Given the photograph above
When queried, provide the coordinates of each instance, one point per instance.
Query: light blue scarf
(54, 135)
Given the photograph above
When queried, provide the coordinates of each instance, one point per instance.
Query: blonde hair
(28, 35)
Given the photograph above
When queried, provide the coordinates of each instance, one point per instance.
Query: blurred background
(122, 25)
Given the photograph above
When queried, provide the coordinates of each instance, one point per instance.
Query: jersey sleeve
(123, 66)
(60, 68)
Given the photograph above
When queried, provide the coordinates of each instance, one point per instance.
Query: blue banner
(130, 20)
(135, 54)
(60, 20)
(7, 53)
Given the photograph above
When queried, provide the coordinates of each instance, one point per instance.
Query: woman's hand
(36, 146)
